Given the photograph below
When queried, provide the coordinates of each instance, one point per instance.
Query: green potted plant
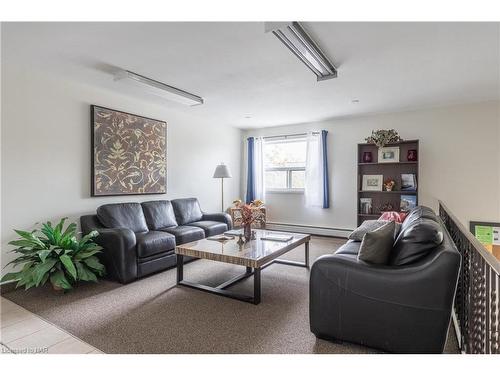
(55, 254)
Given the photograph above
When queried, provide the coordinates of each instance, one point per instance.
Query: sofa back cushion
(123, 215)
(159, 214)
(187, 210)
(416, 240)
(417, 213)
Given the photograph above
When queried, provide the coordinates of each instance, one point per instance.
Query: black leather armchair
(140, 239)
(403, 307)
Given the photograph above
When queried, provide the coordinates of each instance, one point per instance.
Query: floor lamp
(222, 172)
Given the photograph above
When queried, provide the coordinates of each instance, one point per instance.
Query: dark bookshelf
(391, 170)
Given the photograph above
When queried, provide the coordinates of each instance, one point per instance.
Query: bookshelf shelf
(380, 200)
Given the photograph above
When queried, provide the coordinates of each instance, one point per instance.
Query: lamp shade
(222, 171)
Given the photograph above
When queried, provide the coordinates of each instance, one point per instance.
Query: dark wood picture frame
(163, 151)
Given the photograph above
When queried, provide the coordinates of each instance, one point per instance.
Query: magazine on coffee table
(277, 238)
(220, 238)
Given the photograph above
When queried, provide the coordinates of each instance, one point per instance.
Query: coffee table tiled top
(255, 253)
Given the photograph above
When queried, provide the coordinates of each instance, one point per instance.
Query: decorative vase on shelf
(412, 155)
(367, 157)
(247, 232)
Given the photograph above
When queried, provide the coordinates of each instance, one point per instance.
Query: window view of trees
(284, 162)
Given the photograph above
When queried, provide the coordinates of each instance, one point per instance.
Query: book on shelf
(365, 205)
(408, 202)
(408, 182)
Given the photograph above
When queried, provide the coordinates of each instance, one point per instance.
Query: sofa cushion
(159, 214)
(369, 226)
(154, 242)
(211, 228)
(187, 210)
(123, 215)
(350, 247)
(377, 245)
(185, 233)
(417, 213)
(416, 240)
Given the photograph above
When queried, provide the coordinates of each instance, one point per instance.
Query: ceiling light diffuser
(294, 36)
(158, 88)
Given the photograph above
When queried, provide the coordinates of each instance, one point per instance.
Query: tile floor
(24, 332)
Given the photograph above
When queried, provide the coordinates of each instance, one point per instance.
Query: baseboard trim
(310, 229)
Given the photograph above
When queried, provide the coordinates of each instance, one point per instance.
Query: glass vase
(247, 232)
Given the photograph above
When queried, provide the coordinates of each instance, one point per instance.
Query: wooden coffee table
(254, 255)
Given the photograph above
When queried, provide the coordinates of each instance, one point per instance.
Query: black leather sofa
(402, 307)
(139, 238)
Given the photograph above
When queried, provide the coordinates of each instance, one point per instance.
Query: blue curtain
(250, 171)
(326, 190)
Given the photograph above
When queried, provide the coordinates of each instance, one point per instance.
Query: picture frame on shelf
(408, 182)
(365, 206)
(388, 155)
(408, 202)
(372, 182)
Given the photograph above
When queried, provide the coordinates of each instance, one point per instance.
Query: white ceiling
(242, 71)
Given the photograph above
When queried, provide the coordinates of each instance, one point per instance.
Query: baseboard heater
(310, 229)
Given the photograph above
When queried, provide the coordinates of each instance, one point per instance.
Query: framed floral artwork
(129, 153)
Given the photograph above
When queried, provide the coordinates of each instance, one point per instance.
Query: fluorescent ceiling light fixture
(293, 35)
(158, 88)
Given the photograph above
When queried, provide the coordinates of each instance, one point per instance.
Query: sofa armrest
(424, 285)
(119, 253)
(397, 309)
(220, 216)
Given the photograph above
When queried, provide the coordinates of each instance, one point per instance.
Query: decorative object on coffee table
(222, 172)
(382, 137)
(236, 215)
(129, 153)
(55, 254)
(393, 170)
(249, 213)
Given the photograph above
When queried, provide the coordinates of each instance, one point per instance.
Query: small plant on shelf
(382, 137)
(55, 254)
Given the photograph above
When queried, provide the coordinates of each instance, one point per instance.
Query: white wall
(458, 155)
(46, 151)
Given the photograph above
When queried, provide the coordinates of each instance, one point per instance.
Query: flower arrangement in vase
(389, 184)
(249, 213)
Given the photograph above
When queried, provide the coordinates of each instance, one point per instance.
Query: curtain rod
(288, 135)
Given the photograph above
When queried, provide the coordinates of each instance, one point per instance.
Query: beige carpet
(152, 315)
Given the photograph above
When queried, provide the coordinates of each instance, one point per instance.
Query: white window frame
(289, 189)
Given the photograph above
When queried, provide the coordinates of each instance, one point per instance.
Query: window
(285, 163)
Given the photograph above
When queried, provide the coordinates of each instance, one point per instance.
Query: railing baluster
(477, 298)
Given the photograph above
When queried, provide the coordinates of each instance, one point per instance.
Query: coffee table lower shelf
(221, 289)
